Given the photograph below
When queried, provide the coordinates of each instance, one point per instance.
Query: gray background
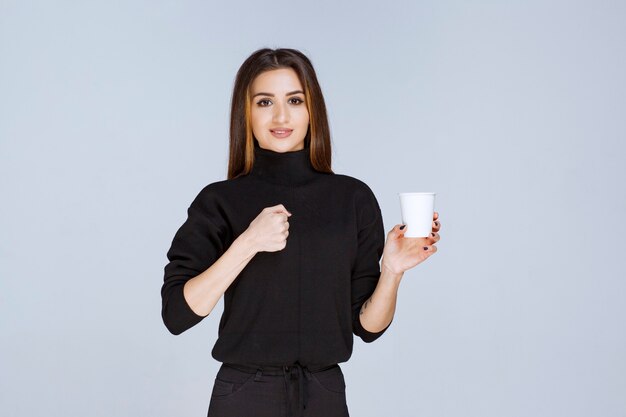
(113, 115)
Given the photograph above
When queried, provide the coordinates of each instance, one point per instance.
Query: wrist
(390, 273)
(247, 243)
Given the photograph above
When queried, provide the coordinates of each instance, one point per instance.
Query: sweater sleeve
(366, 270)
(197, 244)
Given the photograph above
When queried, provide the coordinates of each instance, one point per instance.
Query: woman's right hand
(269, 230)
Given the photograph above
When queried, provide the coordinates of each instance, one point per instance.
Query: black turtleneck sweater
(301, 303)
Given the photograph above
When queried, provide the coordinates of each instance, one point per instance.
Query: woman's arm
(204, 291)
(202, 267)
(378, 310)
(267, 233)
(399, 255)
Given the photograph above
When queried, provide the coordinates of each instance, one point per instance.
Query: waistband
(278, 369)
(290, 372)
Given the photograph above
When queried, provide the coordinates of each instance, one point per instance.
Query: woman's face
(278, 112)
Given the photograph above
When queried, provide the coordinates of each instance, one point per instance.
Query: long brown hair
(241, 156)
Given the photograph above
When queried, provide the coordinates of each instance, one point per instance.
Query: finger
(436, 226)
(398, 230)
(281, 208)
(430, 249)
(434, 237)
(284, 217)
(435, 216)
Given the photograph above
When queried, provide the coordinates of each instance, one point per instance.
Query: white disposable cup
(417, 210)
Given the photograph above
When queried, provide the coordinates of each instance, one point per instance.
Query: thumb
(279, 208)
(398, 231)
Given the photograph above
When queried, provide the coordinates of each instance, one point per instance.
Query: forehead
(277, 80)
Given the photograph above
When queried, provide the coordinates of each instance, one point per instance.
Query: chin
(279, 145)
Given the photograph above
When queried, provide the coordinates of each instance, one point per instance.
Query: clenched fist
(269, 230)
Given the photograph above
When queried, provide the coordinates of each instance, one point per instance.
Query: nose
(281, 113)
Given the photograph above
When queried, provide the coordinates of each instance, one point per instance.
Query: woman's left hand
(403, 253)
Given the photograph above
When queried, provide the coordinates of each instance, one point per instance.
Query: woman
(294, 249)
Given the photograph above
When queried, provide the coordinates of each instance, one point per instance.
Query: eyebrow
(272, 95)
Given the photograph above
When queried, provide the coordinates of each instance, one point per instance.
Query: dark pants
(285, 391)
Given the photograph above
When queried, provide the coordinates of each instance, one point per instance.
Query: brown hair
(241, 153)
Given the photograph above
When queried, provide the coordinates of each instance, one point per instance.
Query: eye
(296, 100)
(263, 103)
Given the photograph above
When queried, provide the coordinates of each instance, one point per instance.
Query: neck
(284, 168)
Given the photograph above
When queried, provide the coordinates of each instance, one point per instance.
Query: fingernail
(432, 234)
(425, 247)
(403, 226)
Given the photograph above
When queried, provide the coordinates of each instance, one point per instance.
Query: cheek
(257, 120)
(303, 118)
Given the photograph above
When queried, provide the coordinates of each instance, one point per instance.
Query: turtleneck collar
(284, 168)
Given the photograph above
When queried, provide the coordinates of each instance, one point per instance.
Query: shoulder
(357, 188)
(215, 187)
(363, 200)
(211, 195)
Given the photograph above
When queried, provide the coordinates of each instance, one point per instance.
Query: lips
(281, 133)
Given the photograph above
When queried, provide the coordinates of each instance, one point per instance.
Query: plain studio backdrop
(114, 115)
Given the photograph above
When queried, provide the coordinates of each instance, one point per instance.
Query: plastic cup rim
(416, 193)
